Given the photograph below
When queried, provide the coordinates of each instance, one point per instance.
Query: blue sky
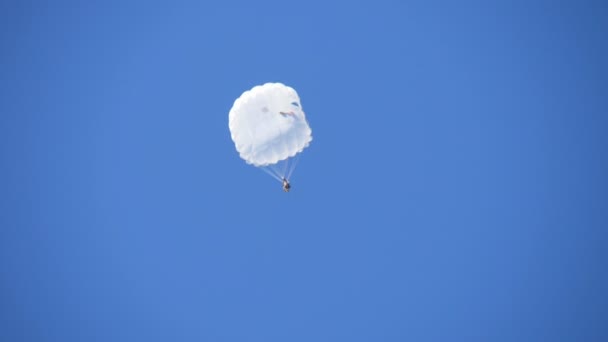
(455, 189)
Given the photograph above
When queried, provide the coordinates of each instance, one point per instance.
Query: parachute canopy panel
(268, 124)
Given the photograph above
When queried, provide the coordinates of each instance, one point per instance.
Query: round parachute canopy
(269, 127)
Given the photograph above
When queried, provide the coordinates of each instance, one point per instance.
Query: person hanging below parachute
(286, 185)
(269, 129)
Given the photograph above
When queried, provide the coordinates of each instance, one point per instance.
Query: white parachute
(269, 129)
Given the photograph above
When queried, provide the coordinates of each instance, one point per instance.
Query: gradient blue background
(456, 188)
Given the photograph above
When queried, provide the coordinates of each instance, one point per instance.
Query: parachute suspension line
(293, 165)
(272, 172)
(276, 171)
(286, 168)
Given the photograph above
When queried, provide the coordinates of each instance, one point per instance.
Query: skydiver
(286, 185)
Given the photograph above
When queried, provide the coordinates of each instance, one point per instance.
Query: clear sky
(456, 188)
